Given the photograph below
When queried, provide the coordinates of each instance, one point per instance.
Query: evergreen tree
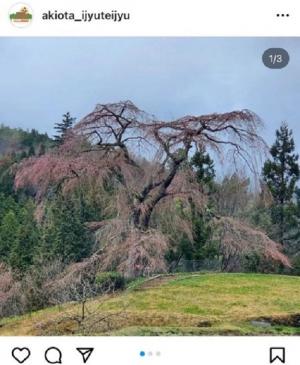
(65, 235)
(62, 128)
(42, 149)
(7, 177)
(7, 204)
(201, 246)
(281, 174)
(293, 237)
(31, 151)
(8, 234)
(203, 165)
(27, 239)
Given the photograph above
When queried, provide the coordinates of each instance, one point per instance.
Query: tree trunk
(142, 212)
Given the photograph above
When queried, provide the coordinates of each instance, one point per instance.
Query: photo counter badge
(20, 15)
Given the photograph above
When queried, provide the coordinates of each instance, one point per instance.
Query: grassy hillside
(194, 304)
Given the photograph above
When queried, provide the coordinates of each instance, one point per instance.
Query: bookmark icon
(85, 352)
(277, 355)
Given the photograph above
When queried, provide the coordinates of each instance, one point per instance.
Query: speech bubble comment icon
(53, 355)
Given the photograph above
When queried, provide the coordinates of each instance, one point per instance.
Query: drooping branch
(144, 162)
(147, 154)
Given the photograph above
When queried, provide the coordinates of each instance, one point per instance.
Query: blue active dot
(142, 353)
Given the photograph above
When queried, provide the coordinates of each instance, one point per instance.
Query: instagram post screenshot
(149, 182)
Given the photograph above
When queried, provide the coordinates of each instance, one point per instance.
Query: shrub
(296, 265)
(110, 281)
(11, 300)
(251, 262)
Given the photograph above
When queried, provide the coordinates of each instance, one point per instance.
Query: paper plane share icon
(85, 352)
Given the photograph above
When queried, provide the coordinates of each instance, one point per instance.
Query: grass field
(184, 304)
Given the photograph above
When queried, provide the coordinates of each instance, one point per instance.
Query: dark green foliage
(18, 143)
(27, 240)
(31, 151)
(65, 235)
(7, 203)
(292, 233)
(296, 264)
(9, 225)
(204, 168)
(201, 247)
(256, 262)
(62, 128)
(110, 281)
(61, 234)
(15, 145)
(281, 174)
(88, 202)
(7, 176)
(19, 234)
(251, 262)
(8, 235)
(260, 217)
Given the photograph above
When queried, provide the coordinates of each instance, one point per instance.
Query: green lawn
(185, 304)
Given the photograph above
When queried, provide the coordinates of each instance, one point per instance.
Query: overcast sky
(42, 78)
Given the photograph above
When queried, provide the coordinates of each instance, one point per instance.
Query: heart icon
(21, 354)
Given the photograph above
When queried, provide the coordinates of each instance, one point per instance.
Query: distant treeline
(16, 141)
